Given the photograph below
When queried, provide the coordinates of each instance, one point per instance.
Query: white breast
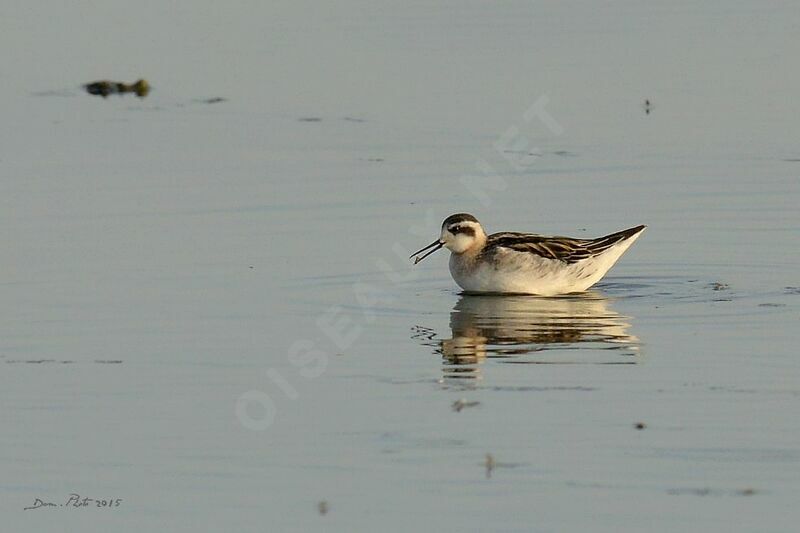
(521, 272)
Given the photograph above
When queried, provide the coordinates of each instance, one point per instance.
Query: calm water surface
(208, 311)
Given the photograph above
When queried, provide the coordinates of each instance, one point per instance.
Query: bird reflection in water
(580, 329)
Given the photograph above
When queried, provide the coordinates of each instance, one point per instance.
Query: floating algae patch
(104, 87)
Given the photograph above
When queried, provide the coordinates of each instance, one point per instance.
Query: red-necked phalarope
(528, 263)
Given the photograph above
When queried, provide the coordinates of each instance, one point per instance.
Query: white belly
(516, 272)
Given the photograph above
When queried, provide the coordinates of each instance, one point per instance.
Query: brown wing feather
(564, 249)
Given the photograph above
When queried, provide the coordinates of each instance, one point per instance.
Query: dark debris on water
(706, 491)
(460, 404)
(322, 508)
(105, 87)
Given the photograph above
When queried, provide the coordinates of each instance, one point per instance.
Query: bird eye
(455, 229)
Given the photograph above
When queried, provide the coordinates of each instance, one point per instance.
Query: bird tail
(602, 244)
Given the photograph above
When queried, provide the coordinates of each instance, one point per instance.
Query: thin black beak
(435, 245)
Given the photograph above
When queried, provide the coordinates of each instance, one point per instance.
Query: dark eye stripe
(466, 230)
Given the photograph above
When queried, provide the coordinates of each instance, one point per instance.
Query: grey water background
(164, 258)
